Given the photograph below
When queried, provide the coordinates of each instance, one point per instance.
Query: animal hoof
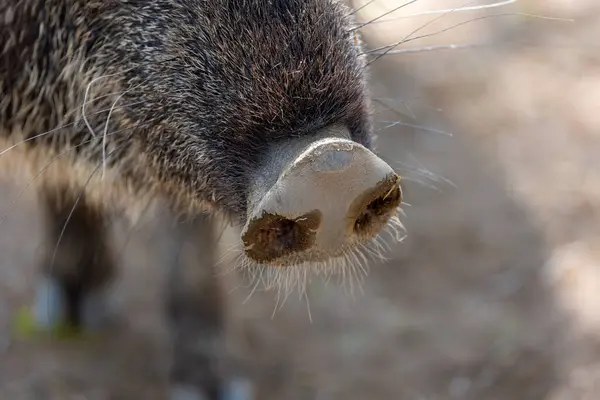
(50, 305)
(183, 392)
(49, 314)
(237, 389)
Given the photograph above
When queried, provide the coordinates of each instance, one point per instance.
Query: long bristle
(350, 267)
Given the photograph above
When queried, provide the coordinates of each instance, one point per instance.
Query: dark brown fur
(224, 82)
(200, 89)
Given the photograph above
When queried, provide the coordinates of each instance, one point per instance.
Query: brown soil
(494, 293)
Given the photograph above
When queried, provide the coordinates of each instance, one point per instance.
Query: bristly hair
(185, 109)
(196, 102)
(350, 265)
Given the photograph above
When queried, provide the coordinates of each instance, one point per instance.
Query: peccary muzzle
(313, 198)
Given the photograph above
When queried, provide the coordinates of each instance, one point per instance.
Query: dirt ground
(493, 295)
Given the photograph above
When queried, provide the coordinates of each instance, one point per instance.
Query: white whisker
(409, 37)
(444, 11)
(392, 124)
(6, 150)
(105, 131)
(308, 308)
(87, 90)
(434, 48)
(383, 15)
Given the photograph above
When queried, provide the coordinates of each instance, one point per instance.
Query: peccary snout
(316, 197)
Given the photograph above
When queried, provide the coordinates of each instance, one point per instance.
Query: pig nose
(335, 193)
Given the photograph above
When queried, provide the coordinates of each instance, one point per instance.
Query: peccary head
(261, 110)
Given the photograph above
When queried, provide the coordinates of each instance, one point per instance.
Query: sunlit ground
(494, 294)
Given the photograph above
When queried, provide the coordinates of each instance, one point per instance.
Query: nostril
(374, 209)
(273, 236)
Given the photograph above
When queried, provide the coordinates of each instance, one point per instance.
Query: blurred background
(495, 292)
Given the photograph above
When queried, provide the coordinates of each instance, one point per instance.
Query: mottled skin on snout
(198, 92)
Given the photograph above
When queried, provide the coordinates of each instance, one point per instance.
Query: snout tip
(334, 194)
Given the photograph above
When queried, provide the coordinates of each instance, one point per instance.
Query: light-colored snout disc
(334, 193)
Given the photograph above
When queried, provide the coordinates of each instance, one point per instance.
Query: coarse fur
(197, 102)
(109, 105)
